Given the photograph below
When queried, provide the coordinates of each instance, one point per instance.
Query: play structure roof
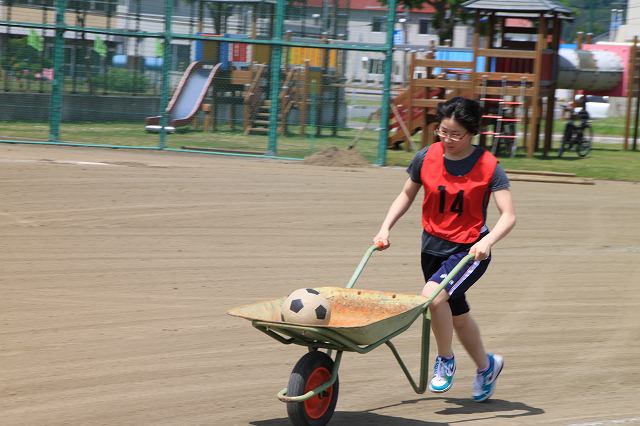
(518, 7)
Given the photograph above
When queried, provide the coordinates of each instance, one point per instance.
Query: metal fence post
(166, 67)
(314, 110)
(276, 63)
(55, 106)
(386, 90)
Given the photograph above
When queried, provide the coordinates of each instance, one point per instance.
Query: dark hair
(465, 111)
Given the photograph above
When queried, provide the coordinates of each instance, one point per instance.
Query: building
(368, 24)
(631, 26)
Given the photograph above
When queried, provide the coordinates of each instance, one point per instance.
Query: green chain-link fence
(276, 78)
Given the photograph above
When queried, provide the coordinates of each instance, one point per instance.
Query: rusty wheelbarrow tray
(361, 320)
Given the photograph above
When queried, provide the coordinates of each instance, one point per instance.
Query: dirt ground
(118, 268)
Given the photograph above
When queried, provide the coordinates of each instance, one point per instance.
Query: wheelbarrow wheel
(311, 371)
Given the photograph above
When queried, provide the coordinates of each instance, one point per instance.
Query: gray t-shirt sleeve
(499, 180)
(416, 165)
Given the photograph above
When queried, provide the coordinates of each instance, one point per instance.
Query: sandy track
(118, 268)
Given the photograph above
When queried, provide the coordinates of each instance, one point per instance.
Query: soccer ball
(306, 306)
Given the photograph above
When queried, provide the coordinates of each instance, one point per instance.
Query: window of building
(424, 26)
(180, 56)
(376, 66)
(78, 4)
(88, 5)
(32, 2)
(378, 24)
(105, 5)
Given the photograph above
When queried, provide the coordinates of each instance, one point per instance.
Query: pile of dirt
(336, 157)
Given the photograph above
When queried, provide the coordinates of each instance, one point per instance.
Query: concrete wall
(35, 107)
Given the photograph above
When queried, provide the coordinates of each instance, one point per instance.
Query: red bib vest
(453, 206)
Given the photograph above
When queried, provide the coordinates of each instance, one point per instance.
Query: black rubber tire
(567, 146)
(561, 149)
(313, 365)
(513, 148)
(583, 147)
(567, 139)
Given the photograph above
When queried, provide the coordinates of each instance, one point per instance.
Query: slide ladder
(501, 116)
(255, 95)
(258, 119)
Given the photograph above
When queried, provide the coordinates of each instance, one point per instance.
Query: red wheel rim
(318, 405)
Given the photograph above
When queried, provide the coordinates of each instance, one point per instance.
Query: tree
(447, 13)
(23, 60)
(219, 13)
(590, 17)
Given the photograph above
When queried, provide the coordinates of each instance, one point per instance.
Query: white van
(597, 106)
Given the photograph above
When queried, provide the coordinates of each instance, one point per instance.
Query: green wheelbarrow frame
(326, 338)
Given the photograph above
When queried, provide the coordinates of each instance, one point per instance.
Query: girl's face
(455, 138)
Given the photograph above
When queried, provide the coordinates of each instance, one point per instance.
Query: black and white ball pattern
(306, 306)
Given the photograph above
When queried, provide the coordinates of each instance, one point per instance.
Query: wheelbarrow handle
(379, 246)
(465, 260)
(375, 247)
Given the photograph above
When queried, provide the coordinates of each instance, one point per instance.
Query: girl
(458, 179)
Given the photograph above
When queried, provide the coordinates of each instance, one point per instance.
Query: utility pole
(405, 40)
(612, 24)
(617, 19)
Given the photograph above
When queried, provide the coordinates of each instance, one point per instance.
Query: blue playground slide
(188, 97)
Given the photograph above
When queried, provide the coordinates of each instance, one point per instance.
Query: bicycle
(578, 136)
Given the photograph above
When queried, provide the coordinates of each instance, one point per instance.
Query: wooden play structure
(517, 75)
(307, 76)
(293, 95)
(514, 73)
(633, 95)
(249, 88)
(247, 75)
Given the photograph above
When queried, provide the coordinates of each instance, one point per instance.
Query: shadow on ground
(493, 409)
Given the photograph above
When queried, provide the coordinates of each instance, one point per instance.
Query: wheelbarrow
(361, 320)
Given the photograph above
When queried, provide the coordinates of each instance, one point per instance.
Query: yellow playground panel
(316, 56)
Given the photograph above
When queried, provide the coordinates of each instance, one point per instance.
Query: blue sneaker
(443, 371)
(485, 383)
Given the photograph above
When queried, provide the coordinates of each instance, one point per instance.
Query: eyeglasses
(452, 138)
